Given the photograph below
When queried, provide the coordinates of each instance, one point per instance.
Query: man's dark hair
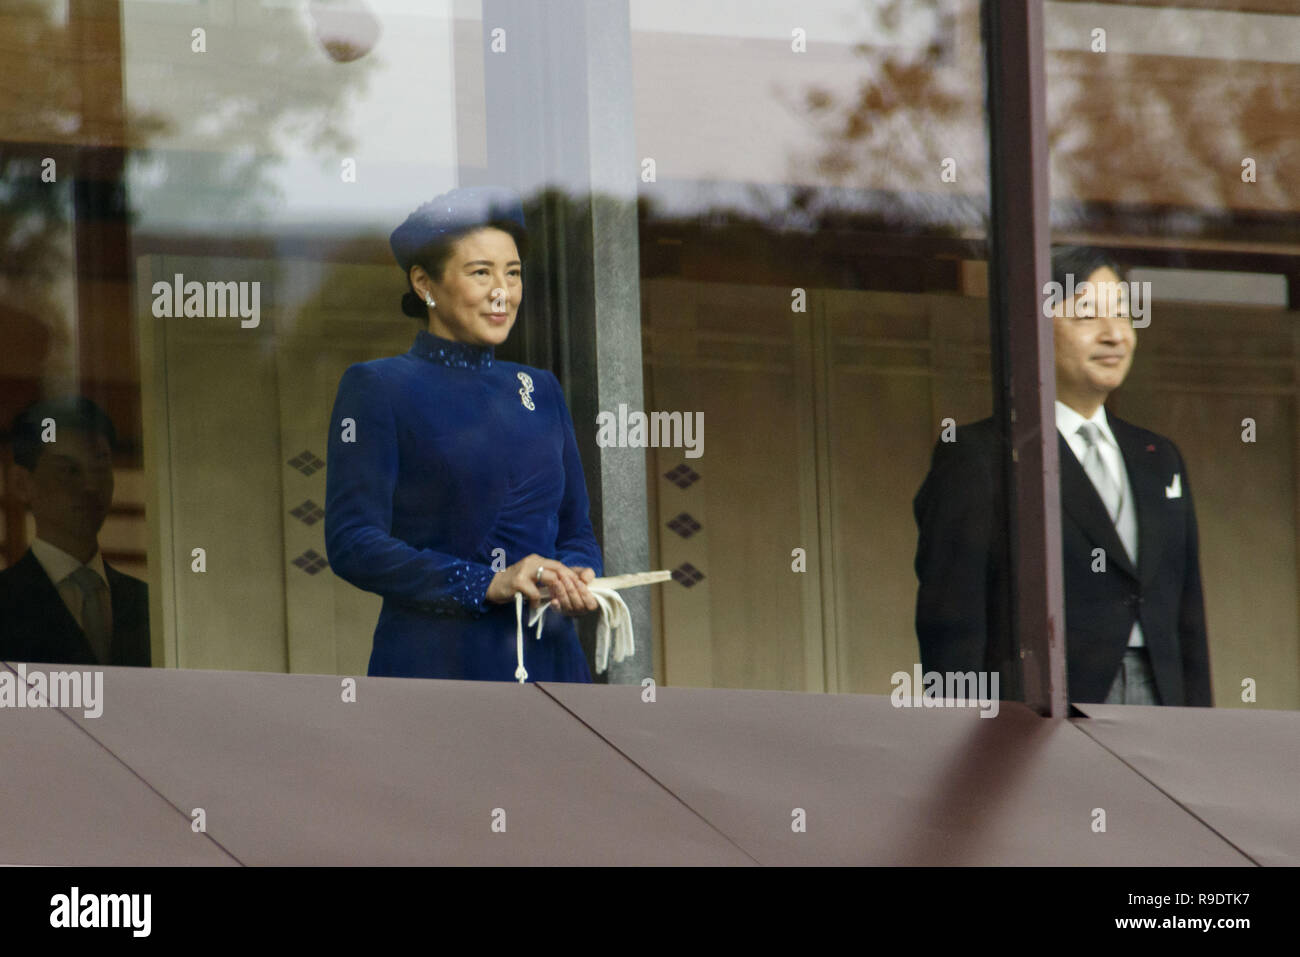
(1081, 261)
(74, 412)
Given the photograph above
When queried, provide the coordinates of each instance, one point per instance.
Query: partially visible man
(61, 603)
(1134, 612)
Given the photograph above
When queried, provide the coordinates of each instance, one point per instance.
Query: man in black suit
(61, 603)
(1134, 613)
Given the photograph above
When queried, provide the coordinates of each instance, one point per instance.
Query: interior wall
(236, 429)
(739, 356)
(819, 429)
(1198, 374)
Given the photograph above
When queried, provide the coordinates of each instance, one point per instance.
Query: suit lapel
(1148, 484)
(122, 643)
(62, 636)
(1080, 499)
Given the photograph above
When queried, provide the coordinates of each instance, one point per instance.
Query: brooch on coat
(526, 391)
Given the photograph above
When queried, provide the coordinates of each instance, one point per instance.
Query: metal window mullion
(1023, 358)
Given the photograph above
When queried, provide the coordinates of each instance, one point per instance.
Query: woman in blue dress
(453, 479)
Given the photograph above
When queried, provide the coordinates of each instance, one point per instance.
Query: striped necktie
(1110, 491)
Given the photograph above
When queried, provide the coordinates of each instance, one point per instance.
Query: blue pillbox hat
(452, 213)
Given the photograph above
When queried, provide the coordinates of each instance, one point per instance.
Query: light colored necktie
(94, 611)
(1110, 491)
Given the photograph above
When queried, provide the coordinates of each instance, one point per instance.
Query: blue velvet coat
(437, 459)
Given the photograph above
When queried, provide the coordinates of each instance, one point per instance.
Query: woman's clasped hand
(567, 585)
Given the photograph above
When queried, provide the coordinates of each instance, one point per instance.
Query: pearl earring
(428, 300)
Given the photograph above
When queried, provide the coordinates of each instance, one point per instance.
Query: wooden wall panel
(873, 378)
(890, 357)
(226, 500)
(737, 355)
(227, 411)
(1197, 374)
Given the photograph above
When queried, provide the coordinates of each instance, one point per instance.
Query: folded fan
(615, 619)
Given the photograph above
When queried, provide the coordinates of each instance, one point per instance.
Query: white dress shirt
(59, 565)
(1126, 526)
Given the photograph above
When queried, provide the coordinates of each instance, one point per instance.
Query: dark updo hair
(434, 256)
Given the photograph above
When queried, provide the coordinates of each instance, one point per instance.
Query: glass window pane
(1173, 146)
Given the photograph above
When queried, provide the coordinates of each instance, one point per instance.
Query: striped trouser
(1134, 683)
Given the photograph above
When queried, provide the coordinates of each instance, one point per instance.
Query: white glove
(615, 620)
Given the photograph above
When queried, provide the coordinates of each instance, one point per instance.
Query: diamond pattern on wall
(684, 525)
(683, 476)
(309, 513)
(306, 462)
(687, 574)
(311, 562)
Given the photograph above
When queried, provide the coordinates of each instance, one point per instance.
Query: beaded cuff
(467, 585)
